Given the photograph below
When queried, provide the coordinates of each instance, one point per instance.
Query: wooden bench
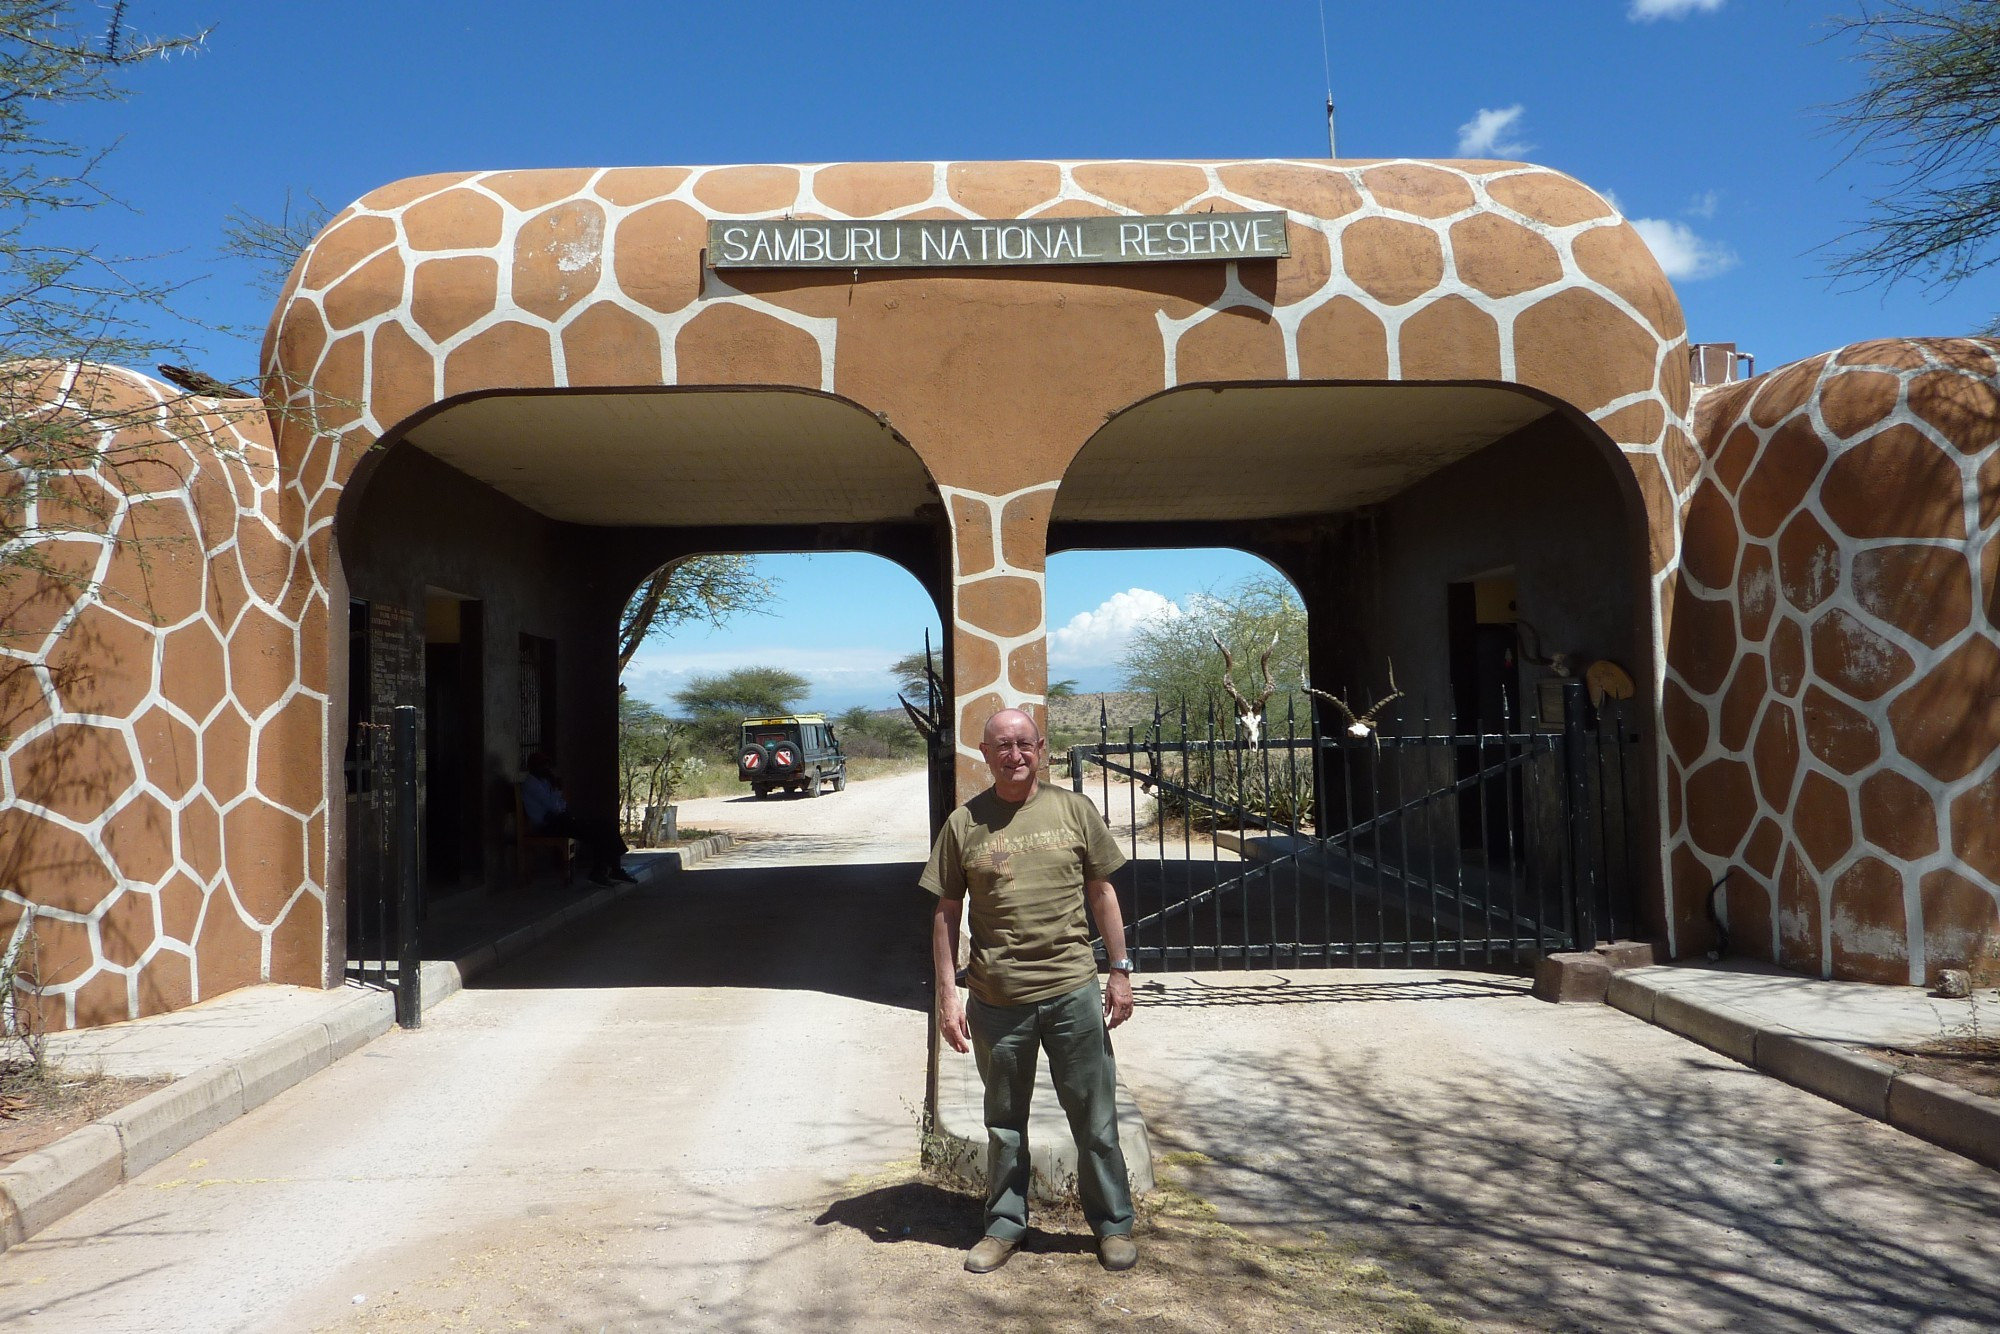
(526, 841)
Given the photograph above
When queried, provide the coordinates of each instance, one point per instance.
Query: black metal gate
(383, 885)
(1404, 846)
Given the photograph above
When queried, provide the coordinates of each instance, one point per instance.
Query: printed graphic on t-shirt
(993, 854)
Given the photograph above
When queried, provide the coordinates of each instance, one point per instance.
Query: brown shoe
(988, 1255)
(1117, 1252)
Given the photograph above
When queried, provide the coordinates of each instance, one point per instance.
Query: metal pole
(408, 958)
(1581, 813)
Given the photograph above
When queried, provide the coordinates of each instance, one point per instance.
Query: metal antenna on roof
(1326, 59)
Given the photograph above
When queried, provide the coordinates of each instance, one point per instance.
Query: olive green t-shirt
(1024, 867)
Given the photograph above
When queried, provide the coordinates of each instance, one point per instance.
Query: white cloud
(1649, 11)
(1493, 133)
(1682, 254)
(1704, 204)
(1099, 638)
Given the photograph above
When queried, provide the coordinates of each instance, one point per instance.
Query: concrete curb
(691, 854)
(40, 1188)
(956, 1144)
(1930, 1109)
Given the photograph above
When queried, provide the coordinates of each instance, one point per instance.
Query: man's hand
(944, 965)
(952, 1022)
(1117, 999)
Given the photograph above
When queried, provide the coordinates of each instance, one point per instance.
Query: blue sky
(1701, 117)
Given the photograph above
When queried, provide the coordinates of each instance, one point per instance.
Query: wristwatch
(1121, 966)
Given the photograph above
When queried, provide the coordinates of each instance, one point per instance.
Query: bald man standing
(1032, 858)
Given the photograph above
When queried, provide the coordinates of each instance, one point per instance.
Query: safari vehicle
(797, 752)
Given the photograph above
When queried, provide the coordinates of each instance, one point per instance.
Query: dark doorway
(454, 734)
(1485, 694)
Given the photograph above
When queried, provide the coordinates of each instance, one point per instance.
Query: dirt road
(881, 820)
(698, 1110)
(874, 821)
(689, 1115)
(1554, 1167)
(633, 1129)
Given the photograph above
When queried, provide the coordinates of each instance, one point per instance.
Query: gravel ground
(874, 821)
(880, 820)
(1553, 1167)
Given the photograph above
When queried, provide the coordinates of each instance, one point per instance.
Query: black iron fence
(383, 881)
(1415, 843)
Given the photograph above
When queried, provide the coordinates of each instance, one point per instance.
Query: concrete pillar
(998, 619)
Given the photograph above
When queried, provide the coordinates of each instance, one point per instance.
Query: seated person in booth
(548, 812)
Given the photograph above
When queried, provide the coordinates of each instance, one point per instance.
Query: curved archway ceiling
(669, 459)
(1267, 451)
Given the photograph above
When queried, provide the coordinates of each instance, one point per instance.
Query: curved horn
(1332, 699)
(1394, 694)
(1228, 676)
(1264, 667)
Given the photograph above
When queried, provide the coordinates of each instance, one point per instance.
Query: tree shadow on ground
(1197, 993)
(1576, 1189)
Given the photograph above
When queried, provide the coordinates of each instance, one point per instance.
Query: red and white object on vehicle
(796, 753)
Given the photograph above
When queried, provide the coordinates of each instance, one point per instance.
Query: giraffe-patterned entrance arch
(430, 294)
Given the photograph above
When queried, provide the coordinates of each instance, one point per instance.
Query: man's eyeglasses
(1014, 747)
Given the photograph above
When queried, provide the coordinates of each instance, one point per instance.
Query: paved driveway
(644, 1127)
(875, 821)
(634, 1129)
(1556, 1167)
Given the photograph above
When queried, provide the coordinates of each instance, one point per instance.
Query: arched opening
(488, 551)
(1134, 664)
(1473, 556)
(796, 702)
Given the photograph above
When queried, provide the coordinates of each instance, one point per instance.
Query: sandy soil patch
(35, 1113)
(887, 1254)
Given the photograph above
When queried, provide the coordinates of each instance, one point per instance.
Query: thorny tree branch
(1930, 111)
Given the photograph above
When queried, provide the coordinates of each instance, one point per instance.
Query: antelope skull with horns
(1364, 724)
(1249, 716)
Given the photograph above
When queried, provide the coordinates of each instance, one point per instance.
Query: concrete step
(959, 1135)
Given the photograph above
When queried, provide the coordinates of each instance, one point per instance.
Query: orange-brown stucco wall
(1823, 553)
(1833, 740)
(438, 287)
(163, 800)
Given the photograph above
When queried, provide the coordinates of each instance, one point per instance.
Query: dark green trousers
(1006, 1042)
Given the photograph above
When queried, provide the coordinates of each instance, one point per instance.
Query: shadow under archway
(488, 551)
(857, 931)
(1484, 542)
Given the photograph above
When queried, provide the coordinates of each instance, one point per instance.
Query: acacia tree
(1174, 658)
(1930, 111)
(699, 589)
(912, 673)
(66, 307)
(716, 704)
(60, 300)
(272, 245)
(653, 761)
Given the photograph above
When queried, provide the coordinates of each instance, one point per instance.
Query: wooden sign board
(963, 243)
